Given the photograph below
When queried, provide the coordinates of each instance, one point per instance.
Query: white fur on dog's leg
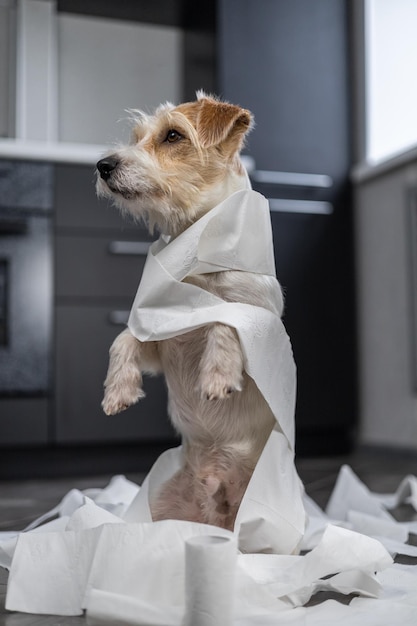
(123, 384)
(119, 397)
(221, 364)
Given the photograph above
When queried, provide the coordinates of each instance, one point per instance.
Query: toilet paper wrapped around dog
(235, 235)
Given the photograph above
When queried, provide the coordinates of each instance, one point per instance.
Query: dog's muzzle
(106, 166)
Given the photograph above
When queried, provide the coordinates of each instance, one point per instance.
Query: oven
(25, 278)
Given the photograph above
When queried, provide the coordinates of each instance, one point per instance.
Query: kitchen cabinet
(386, 226)
(25, 302)
(23, 421)
(288, 62)
(99, 258)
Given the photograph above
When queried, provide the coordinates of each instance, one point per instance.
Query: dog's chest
(181, 355)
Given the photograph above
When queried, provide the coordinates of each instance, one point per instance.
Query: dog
(181, 162)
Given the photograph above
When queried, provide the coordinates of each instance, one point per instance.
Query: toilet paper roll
(210, 565)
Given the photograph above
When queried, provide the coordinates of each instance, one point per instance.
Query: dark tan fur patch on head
(219, 121)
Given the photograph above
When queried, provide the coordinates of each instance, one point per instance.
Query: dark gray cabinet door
(99, 258)
(98, 267)
(24, 421)
(83, 337)
(288, 62)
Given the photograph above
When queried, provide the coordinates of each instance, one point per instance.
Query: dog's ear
(222, 123)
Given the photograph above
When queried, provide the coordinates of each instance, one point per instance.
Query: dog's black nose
(106, 166)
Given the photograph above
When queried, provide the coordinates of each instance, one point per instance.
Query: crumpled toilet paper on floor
(134, 573)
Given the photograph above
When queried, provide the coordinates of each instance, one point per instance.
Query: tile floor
(23, 501)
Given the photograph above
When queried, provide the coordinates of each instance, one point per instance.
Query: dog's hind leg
(224, 489)
(177, 499)
(123, 384)
(211, 496)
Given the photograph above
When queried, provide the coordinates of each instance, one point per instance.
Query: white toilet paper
(235, 235)
(133, 574)
(210, 566)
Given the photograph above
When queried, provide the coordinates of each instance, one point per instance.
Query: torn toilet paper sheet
(54, 573)
(115, 498)
(134, 573)
(353, 506)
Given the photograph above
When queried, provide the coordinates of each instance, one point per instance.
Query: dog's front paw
(118, 398)
(218, 386)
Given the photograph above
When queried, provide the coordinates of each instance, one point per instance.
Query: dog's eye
(173, 136)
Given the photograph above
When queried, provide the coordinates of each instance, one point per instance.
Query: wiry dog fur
(182, 161)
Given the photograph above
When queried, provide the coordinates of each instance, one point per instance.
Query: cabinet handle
(122, 248)
(118, 318)
(314, 207)
(293, 179)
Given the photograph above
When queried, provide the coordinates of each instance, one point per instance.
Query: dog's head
(181, 162)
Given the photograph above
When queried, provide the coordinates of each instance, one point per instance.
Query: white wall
(6, 23)
(107, 66)
(76, 75)
(388, 397)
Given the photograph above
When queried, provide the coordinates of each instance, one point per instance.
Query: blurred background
(332, 87)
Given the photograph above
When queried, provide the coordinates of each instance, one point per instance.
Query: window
(390, 77)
